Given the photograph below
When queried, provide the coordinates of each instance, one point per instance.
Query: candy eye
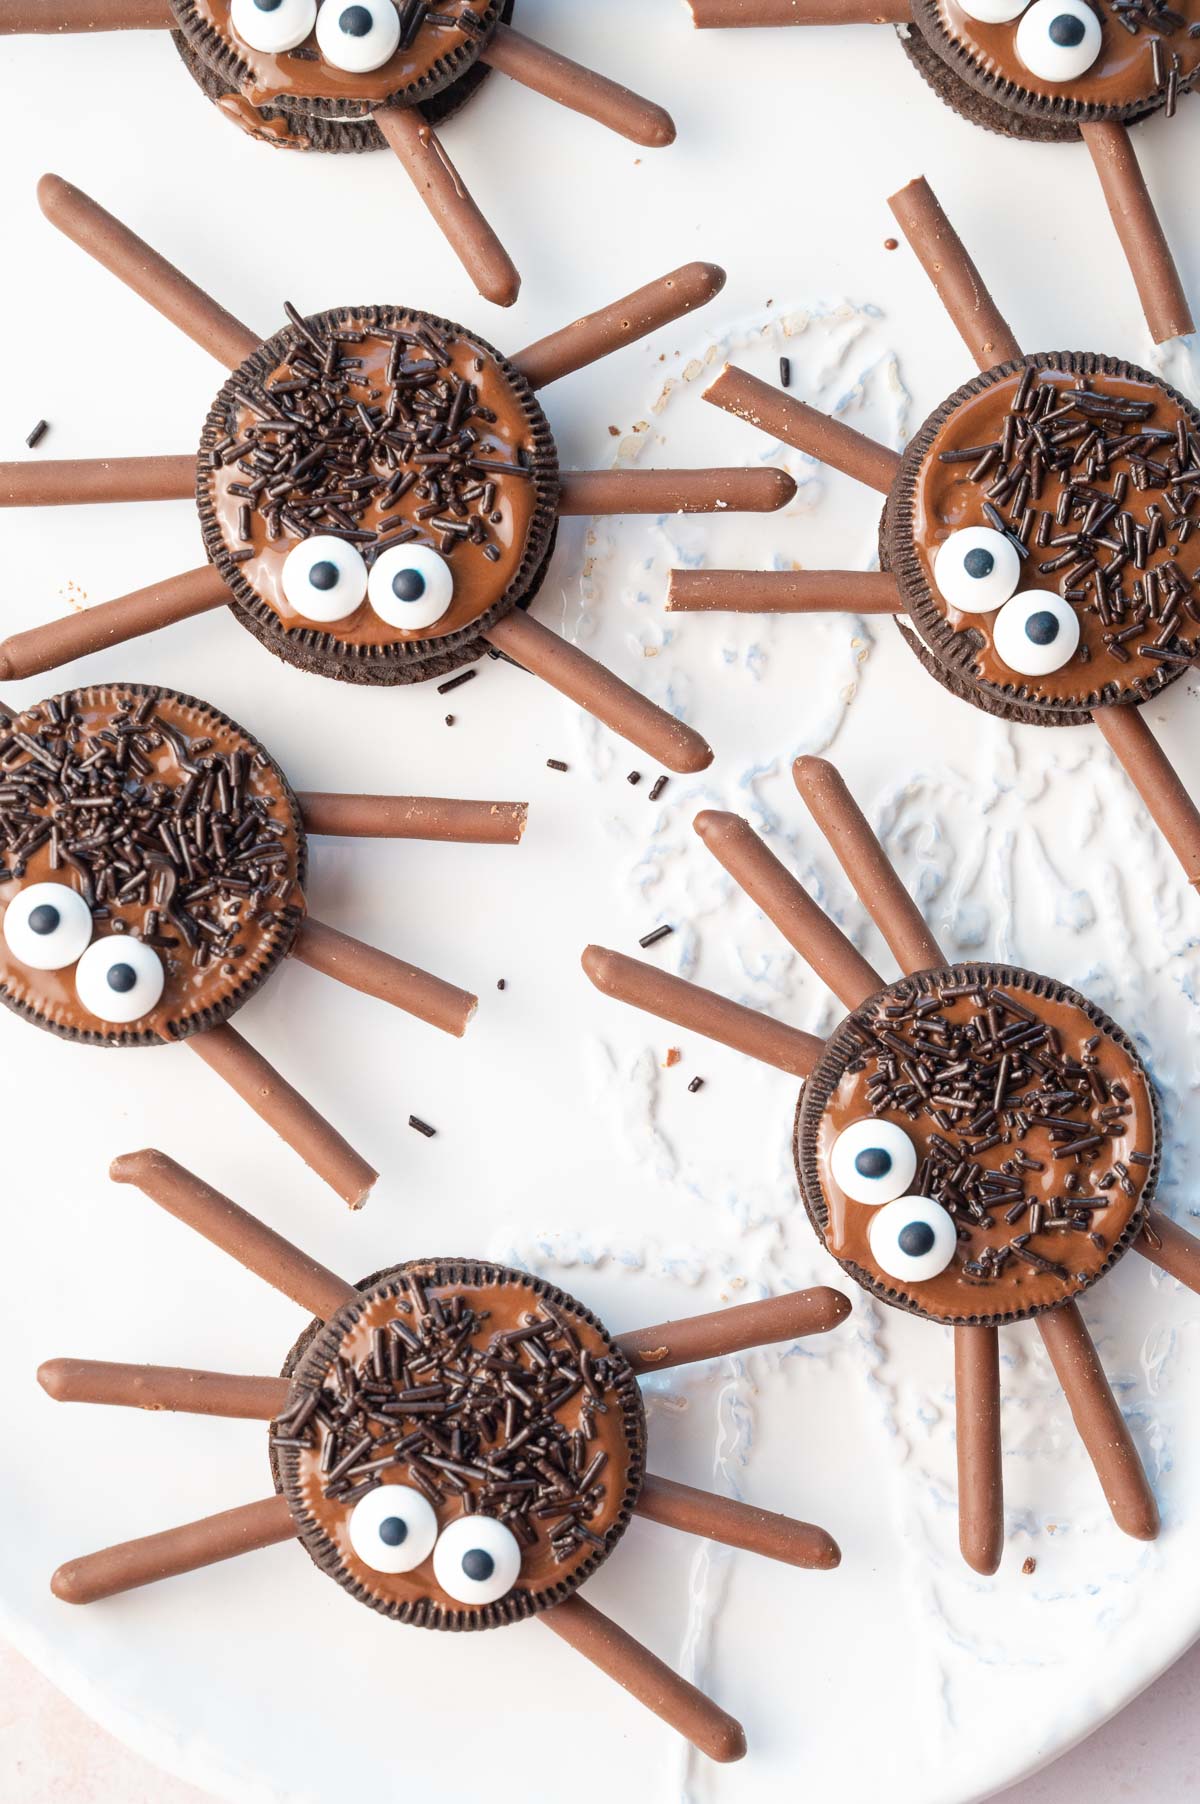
(976, 569)
(912, 1239)
(273, 25)
(324, 578)
(873, 1161)
(993, 12)
(477, 1560)
(411, 587)
(119, 978)
(1058, 40)
(358, 35)
(47, 926)
(1036, 633)
(393, 1528)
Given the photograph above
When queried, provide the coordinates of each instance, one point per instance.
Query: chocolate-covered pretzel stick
(980, 1471)
(293, 1118)
(180, 1388)
(1156, 780)
(133, 262)
(413, 817)
(596, 689)
(440, 186)
(708, 14)
(596, 335)
(580, 90)
(391, 980)
(174, 1551)
(1171, 1248)
(783, 592)
(1097, 1415)
(960, 287)
(1143, 240)
(739, 1329)
(218, 1219)
(737, 1524)
(801, 426)
(112, 623)
(75, 482)
(85, 15)
(667, 491)
(702, 1011)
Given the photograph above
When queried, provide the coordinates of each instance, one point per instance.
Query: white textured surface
(564, 1142)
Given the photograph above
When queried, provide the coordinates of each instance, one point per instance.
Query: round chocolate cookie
(977, 1144)
(152, 863)
(377, 487)
(1039, 70)
(463, 1445)
(1040, 534)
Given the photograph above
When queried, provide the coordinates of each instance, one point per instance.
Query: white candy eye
(1036, 633)
(993, 12)
(411, 587)
(1059, 40)
(873, 1161)
(324, 578)
(976, 570)
(477, 1560)
(358, 35)
(47, 926)
(273, 25)
(912, 1239)
(393, 1528)
(119, 978)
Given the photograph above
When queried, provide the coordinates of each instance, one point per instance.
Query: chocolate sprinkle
(38, 434)
(422, 1127)
(456, 682)
(652, 938)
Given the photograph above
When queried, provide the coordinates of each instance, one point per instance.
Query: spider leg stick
(702, 1011)
(1157, 782)
(783, 592)
(1139, 229)
(722, 14)
(112, 623)
(580, 90)
(599, 692)
(634, 316)
(391, 980)
(75, 482)
(734, 1524)
(797, 424)
(1098, 1418)
(1171, 1248)
(440, 186)
(85, 15)
(960, 287)
(413, 817)
(784, 900)
(194, 1393)
(980, 1468)
(228, 1226)
(133, 262)
(739, 1329)
(735, 491)
(174, 1551)
(647, 1678)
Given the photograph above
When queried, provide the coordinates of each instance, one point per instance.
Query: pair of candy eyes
(1057, 40)
(410, 587)
(476, 1560)
(977, 570)
(48, 927)
(912, 1238)
(354, 35)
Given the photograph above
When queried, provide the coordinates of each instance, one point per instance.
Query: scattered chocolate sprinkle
(38, 434)
(785, 372)
(634, 778)
(456, 682)
(660, 783)
(697, 1083)
(449, 720)
(1029, 1566)
(555, 764)
(422, 1127)
(502, 983)
(652, 939)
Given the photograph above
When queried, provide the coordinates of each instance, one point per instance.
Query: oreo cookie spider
(458, 1444)
(1037, 537)
(378, 489)
(1048, 70)
(153, 860)
(355, 75)
(975, 1144)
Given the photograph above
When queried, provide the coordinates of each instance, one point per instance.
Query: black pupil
(408, 585)
(121, 978)
(478, 1565)
(1042, 627)
(979, 563)
(356, 21)
(44, 918)
(323, 575)
(268, 6)
(1066, 30)
(916, 1238)
(393, 1530)
(873, 1162)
